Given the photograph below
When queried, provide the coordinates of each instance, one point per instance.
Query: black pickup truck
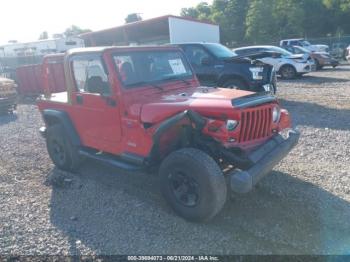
(216, 65)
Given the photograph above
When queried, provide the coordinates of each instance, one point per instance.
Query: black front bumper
(261, 161)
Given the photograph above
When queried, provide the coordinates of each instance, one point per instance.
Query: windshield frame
(146, 84)
(305, 43)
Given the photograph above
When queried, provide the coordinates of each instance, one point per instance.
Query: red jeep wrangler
(140, 107)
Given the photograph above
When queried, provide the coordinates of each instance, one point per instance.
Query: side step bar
(110, 160)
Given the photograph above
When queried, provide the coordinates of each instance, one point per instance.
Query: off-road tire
(288, 72)
(201, 168)
(234, 84)
(318, 65)
(274, 90)
(56, 140)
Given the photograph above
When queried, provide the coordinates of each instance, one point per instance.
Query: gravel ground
(302, 207)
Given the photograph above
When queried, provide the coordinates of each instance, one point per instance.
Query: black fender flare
(192, 116)
(52, 116)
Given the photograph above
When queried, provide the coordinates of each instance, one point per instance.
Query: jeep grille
(255, 124)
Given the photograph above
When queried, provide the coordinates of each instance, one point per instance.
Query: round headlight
(231, 125)
(276, 114)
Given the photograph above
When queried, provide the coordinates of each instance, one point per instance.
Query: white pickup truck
(304, 43)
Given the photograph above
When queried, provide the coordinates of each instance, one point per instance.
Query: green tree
(44, 35)
(260, 24)
(340, 13)
(316, 20)
(74, 31)
(288, 19)
(134, 17)
(235, 22)
(267, 21)
(229, 14)
(189, 12)
(200, 11)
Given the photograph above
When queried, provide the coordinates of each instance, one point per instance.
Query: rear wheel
(234, 84)
(288, 72)
(193, 184)
(62, 153)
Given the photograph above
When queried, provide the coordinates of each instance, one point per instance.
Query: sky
(25, 20)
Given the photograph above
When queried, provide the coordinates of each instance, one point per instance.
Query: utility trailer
(31, 79)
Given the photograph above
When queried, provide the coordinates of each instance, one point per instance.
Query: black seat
(95, 84)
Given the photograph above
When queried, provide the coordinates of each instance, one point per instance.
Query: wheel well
(51, 120)
(52, 117)
(232, 77)
(185, 121)
(287, 65)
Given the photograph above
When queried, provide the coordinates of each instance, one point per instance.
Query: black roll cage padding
(56, 116)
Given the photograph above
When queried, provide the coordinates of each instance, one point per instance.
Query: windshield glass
(301, 50)
(305, 43)
(140, 68)
(280, 50)
(220, 51)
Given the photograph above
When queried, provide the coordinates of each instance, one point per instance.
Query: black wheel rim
(184, 188)
(58, 152)
(288, 72)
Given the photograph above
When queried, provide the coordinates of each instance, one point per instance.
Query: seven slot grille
(255, 124)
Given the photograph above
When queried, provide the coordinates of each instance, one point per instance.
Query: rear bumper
(334, 62)
(329, 62)
(262, 161)
(8, 102)
(303, 68)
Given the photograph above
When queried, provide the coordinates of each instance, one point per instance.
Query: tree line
(268, 21)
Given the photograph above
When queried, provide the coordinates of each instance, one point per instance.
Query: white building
(167, 29)
(41, 47)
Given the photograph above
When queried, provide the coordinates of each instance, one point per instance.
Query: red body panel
(121, 128)
(29, 79)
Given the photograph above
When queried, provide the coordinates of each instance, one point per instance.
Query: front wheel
(193, 184)
(288, 72)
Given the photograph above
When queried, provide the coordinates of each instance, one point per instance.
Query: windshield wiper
(175, 78)
(146, 83)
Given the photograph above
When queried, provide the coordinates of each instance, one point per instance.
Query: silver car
(286, 64)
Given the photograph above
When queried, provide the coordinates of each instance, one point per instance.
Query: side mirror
(205, 61)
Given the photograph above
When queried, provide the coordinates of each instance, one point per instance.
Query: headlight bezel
(276, 114)
(231, 124)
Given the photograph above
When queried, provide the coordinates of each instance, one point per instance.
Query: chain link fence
(337, 45)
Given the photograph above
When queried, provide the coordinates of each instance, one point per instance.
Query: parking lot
(302, 207)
